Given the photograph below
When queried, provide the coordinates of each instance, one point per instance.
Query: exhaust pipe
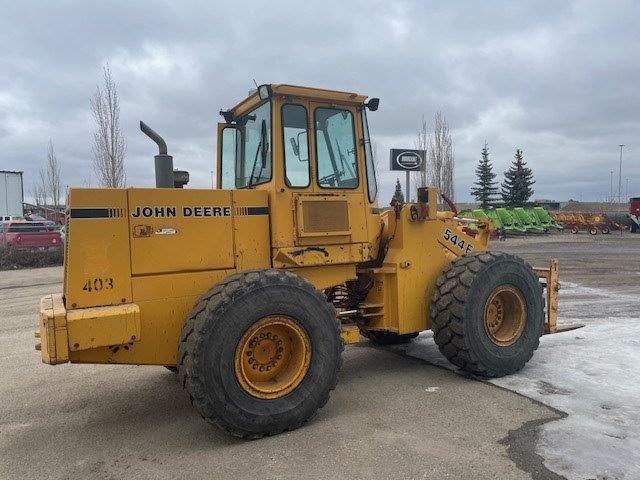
(164, 162)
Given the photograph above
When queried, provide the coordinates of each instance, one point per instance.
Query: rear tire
(487, 313)
(574, 230)
(605, 230)
(230, 325)
(387, 338)
(593, 231)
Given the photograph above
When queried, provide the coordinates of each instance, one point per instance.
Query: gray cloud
(558, 79)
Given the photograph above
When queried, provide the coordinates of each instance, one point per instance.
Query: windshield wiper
(263, 146)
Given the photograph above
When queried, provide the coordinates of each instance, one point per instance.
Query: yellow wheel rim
(272, 357)
(505, 315)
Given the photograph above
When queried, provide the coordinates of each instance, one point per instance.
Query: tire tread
(448, 306)
(197, 323)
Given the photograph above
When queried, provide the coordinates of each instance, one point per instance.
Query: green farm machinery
(514, 221)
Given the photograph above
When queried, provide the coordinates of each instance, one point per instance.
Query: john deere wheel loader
(250, 290)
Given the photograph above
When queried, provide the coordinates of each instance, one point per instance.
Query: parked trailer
(589, 221)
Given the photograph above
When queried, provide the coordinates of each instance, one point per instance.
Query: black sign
(407, 159)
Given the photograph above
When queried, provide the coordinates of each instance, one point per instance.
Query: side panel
(200, 246)
(97, 267)
(164, 301)
(176, 230)
(252, 237)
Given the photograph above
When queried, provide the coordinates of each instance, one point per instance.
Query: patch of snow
(592, 374)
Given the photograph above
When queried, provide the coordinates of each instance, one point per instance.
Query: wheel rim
(272, 357)
(505, 315)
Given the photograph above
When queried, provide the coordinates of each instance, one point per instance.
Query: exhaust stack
(163, 162)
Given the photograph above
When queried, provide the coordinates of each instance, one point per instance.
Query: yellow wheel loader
(250, 290)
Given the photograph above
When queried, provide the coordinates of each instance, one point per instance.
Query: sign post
(407, 160)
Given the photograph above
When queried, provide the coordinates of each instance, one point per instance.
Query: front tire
(260, 353)
(487, 313)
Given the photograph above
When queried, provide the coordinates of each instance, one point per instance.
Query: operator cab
(310, 149)
(299, 138)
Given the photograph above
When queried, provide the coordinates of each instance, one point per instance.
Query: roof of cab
(310, 93)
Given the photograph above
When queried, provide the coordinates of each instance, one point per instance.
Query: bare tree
(109, 145)
(52, 177)
(40, 189)
(440, 156)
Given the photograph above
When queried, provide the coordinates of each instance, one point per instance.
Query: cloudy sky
(558, 79)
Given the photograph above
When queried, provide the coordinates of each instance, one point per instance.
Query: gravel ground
(390, 416)
(591, 373)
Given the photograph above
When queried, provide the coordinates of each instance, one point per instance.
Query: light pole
(611, 190)
(213, 184)
(620, 175)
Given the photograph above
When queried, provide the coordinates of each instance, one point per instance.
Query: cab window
(295, 145)
(246, 149)
(231, 150)
(335, 148)
(372, 186)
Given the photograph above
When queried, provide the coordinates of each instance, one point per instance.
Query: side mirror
(298, 143)
(295, 147)
(373, 104)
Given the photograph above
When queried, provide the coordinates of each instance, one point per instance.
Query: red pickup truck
(29, 235)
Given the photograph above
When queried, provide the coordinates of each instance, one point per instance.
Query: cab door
(333, 212)
(319, 214)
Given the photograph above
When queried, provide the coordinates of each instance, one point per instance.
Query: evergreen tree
(398, 197)
(486, 189)
(518, 181)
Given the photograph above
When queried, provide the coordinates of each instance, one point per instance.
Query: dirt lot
(608, 261)
(591, 373)
(390, 417)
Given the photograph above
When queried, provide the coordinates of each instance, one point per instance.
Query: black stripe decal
(257, 210)
(89, 213)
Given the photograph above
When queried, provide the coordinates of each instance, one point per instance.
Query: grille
(325, 216)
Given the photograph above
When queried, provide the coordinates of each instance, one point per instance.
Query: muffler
(164, 162)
